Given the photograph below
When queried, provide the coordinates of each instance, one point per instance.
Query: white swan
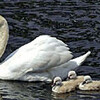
(39, 60)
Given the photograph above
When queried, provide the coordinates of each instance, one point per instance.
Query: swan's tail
(81, 59)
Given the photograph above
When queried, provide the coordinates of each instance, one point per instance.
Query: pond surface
(76, 22)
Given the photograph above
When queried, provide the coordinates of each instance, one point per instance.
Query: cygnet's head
(72, 75)
(87, 79)
(57, 81)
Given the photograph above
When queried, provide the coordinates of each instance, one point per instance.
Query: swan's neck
(4, 30)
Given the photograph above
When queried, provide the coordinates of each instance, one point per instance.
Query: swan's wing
(10, 55)
(49, 52)
(41, 54)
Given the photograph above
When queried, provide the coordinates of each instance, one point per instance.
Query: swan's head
(57, 81)
(87, 79)
(72, 75)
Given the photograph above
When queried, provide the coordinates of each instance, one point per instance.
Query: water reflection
(61, 96)
(78, 95)
(24, 90)
(75, 22)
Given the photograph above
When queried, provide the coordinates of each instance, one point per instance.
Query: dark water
(76, 22)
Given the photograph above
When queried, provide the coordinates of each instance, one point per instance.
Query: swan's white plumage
(41, 59)
(38, 56)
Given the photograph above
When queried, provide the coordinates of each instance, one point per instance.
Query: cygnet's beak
(68, 78)
(83, 82)
(53, 84)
